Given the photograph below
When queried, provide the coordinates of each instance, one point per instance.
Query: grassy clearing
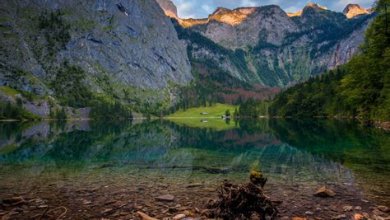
(195, 118)
(216, 110)
(217, 124)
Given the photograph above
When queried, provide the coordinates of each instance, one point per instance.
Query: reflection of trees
(363, 150)
(295, 151)
(336, 140)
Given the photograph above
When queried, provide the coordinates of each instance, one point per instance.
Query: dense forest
(359, 89)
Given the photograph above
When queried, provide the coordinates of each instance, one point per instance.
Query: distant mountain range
(277, 48)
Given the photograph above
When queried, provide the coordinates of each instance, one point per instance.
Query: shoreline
(382, 125)
(124, 196)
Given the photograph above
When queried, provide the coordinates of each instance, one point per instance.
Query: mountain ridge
(350, 11)
(275, 49)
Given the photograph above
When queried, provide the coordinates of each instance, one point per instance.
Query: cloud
(249, 3)
(292, 9)
(186, 8)
(202, 8)
(207, 8)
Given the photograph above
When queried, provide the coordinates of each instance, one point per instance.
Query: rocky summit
(354, 10)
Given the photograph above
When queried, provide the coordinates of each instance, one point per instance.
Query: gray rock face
(278, 50)
(125, 43)
(270, 24)
(168, 7)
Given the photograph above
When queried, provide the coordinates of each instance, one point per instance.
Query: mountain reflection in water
(288, 151)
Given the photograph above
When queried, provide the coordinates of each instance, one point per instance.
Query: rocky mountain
(76, 51)
(353, 10)
(267, 46)
(169, 8)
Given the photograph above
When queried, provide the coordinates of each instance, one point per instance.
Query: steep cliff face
(123, 50)
(169, 8)
(242, 27)
(274, 48)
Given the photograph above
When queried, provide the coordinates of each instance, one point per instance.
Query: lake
(88, 169)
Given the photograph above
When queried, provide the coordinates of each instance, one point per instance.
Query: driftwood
(242, 201)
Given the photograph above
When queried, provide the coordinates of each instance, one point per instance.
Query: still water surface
(288, 152)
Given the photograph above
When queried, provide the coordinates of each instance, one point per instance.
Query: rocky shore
(157, 197)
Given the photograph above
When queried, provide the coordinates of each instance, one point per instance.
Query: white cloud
(207, 8)
(249, 3)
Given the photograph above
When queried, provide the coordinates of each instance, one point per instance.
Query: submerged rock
(347, 208)
(179, 216)
(309, 213)
(340, 217)
(145, 216)
(14, 201)
(358, 216)
(358, 208)
(383, 208)
(165, 198)
(324, 192)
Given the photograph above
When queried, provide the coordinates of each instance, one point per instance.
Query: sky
(202, 8)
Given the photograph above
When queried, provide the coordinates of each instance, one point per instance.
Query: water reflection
(288, 151)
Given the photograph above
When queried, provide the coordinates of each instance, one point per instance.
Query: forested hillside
(359, 89)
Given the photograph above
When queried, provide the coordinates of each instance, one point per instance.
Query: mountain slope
(77, 51)
(359, 89)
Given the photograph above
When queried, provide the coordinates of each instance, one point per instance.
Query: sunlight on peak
(295, 14)
(223, 15)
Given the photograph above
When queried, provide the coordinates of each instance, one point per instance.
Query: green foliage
(310, 98)
(9, 91)
(106, 110)
(359, 89)
(69, 86)
(12, 111)
(204, 117)
(227, 113)
(252, 108)
(61, 115)
(71, 91)
(215, 110)
(55, 29)
(208, 88)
